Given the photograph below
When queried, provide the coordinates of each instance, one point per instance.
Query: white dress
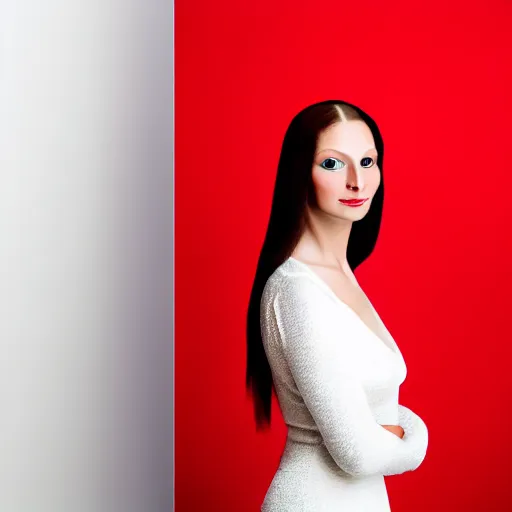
(337, 382)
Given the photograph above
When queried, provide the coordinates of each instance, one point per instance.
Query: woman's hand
(395, 429)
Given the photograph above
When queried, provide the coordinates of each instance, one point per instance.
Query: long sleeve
(415, 432)
(318, 340)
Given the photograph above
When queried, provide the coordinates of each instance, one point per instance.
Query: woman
(314, 337)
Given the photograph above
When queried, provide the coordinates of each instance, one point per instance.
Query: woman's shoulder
(291, 279)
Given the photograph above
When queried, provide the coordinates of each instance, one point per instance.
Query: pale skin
(345, 154)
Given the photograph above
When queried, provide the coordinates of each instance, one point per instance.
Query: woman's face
(345, 154)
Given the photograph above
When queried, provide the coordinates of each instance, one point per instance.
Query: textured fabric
(337, 382)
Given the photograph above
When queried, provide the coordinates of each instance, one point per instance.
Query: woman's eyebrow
(341, 153)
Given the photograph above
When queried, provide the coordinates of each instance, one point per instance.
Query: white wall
(86, 256)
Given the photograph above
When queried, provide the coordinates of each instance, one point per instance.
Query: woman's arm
(415, 431)
(317, 339)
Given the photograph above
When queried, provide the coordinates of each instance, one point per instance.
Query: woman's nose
(355, 180)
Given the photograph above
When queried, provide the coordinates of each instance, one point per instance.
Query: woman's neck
(324, 241)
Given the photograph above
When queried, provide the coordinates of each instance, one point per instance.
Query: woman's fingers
(395, 429)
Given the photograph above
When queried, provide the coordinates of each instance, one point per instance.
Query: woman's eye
(367, 162)
(332, 164)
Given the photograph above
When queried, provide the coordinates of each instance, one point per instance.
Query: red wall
(436, 77)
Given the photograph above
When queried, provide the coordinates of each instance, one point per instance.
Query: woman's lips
(353, 202)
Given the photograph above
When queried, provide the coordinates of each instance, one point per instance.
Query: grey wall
(86, 256)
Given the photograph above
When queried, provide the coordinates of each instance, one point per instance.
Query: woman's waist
(308, 435)
(305, 452)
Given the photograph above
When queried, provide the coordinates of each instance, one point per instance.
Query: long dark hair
(293, 188)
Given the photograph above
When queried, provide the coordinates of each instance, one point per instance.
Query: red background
(436, 77)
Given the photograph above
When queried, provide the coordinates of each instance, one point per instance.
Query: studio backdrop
(437, 79)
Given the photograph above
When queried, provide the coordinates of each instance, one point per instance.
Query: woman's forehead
(346, 137)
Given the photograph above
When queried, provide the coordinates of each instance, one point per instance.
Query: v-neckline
(395, 350)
